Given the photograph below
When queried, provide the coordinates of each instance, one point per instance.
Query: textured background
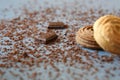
(8, 9)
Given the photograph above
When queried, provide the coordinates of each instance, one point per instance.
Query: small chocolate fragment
(48, 37)
(57, 25)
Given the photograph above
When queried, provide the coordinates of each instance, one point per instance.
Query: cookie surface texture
(84, 37)
(107, 33)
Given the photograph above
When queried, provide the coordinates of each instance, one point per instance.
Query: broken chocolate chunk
(48, 37)
(57, 25)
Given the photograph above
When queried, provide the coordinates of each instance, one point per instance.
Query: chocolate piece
(48, 37)
(57, 25)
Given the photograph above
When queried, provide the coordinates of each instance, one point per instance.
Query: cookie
(85, 38)
(107, 33)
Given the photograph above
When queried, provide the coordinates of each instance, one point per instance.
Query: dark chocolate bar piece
(56, 25)
(48, 37)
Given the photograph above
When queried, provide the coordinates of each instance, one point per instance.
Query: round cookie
(107, 33)
(84, 37)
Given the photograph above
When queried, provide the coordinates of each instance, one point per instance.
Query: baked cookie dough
(107, 33)
(84, 37)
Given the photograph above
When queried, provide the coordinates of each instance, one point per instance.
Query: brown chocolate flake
(1, 72)
(13, 73)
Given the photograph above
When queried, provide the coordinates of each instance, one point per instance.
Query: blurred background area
(13, 8)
